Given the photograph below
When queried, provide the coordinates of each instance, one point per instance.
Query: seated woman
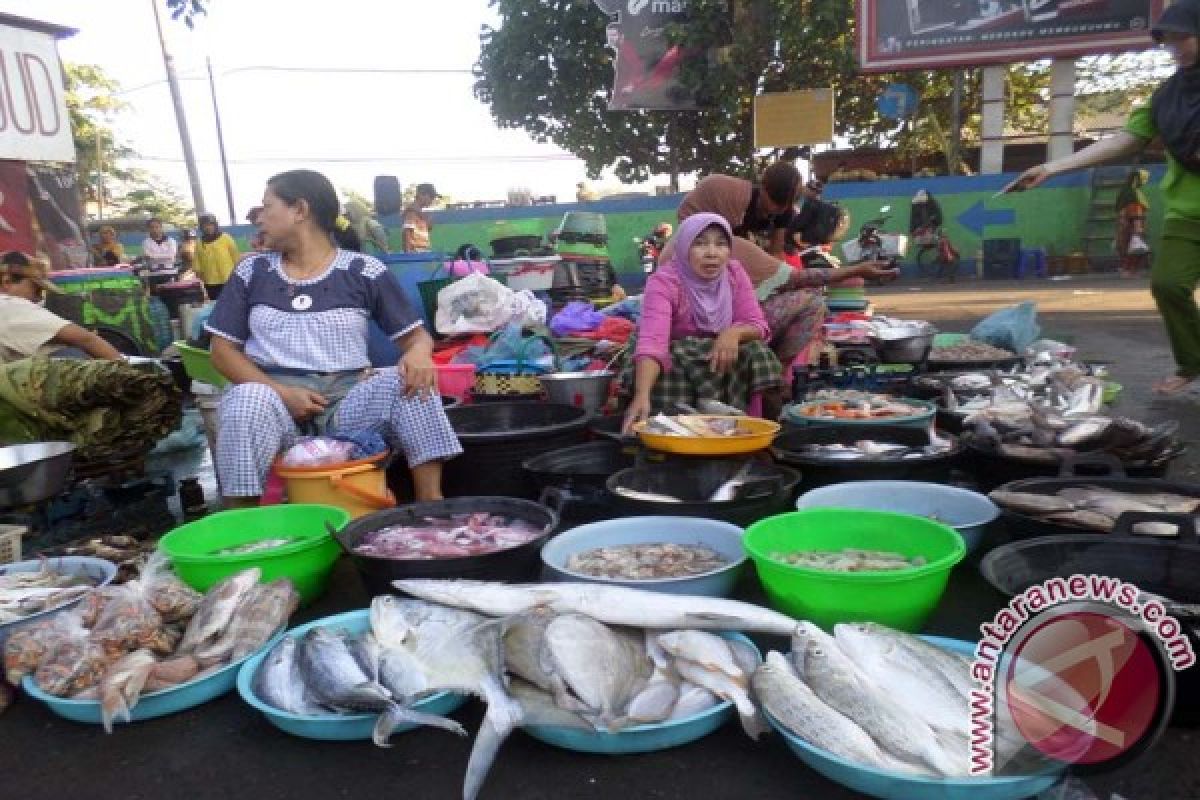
(290, 333)
(702, 335)
(791, 300)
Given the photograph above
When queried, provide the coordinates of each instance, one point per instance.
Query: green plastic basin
(307, 562)
(901, 599)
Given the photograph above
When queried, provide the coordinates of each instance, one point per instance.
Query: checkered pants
(255, 427)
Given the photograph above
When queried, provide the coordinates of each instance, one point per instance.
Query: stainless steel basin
(31, 473)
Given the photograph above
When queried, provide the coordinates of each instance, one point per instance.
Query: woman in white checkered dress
(290, 333)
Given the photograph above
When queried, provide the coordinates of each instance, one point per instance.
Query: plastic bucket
(358, 487)
(455, 380)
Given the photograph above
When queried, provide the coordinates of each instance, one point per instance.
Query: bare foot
(1172, 385)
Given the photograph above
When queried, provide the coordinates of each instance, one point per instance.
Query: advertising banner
(33, 109)
(931, 34)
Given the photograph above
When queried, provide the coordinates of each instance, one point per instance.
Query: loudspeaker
(389, 200)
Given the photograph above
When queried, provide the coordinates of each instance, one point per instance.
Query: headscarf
(1131, 191)
(729, 197)
(711, 301)
(206, 218)
(1175, 105)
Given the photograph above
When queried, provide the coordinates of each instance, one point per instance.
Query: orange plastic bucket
(359, 487)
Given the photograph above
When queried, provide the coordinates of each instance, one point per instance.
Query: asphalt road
(225, 749)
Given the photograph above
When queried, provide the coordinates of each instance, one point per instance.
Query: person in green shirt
(1172, 115)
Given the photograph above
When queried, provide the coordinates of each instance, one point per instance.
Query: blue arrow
(976, 218)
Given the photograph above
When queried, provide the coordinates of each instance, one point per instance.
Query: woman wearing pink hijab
(702, 334)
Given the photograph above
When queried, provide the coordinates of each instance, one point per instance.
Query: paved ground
(224, 749)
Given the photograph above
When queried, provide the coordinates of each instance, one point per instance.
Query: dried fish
(849, 559)
(647, 561)
(256, 546)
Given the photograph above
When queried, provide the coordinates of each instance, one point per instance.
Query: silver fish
(538, 708)
(603, 668)
(706, 649)
(796, 707)
(1031, 502)
(693, 700)
(217, 610)
(655, 702)
(279, 682)
(646, 497)
(523, 643)
(612, 605)
(1085, 432)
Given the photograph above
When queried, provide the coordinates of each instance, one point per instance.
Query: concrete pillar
(1062, 109)
(991, 159)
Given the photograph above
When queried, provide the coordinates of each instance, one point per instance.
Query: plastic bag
(509, 349)
(1137, 245)
(173, 599)
(1013, 328)
(73, 661)
(318, 451)
(575, 316)
(478, 304)
(25, 648)
(128, 621)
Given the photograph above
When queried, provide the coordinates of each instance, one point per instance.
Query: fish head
(387, 620)
(776, 662)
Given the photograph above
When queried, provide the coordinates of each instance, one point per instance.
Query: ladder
(1100, 227)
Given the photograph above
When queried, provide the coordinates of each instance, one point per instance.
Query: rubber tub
(572, 480)
(307, 562)
(901, 599)
(820, 470)
(498, 437)
(519, 563)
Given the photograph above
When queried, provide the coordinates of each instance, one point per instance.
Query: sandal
(1172, 385)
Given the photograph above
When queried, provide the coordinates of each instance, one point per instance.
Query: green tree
(350, 195)
(154, 197)
(91, 97)
(546, 69)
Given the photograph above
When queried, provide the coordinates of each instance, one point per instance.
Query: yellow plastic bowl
(753, 434)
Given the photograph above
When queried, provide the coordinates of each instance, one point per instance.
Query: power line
(316, 70)
(372, 159)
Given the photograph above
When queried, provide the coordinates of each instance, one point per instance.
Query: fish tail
(498, 723)
(112, 708)
(396, 715)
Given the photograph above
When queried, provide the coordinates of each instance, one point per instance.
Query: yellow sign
(783, 119)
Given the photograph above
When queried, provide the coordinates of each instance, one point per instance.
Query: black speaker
(389, 200)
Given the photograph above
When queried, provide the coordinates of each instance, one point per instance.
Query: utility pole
(212, 88)
(955, 123)
(189, 158)
(99, 175)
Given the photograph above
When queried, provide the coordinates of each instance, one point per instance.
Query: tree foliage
(546, 69)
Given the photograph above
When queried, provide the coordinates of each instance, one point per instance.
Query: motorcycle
(875, 244)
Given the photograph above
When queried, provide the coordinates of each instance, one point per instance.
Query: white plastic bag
(1137, 245)
(478, 304)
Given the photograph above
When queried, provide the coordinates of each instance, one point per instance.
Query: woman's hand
(1029, 179)
(301, 403)
(638, 411)
(419, 373)
(725, 350)
(882, 271)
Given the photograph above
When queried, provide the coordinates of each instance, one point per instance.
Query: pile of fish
(1035, 433)
(1096, 507)
(879, 698)
(845, 404)
(970, 350)
(692, 425)
(127, 552)
(1069, 390)
(871, 449)
(725, 492)
(26, 593)
(849, 559)
(647, 561)
(448, 537)
(148, 635)
(572, 656)
(257, 546)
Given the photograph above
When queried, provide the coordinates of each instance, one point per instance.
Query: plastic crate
(199, 366)
(10, 543)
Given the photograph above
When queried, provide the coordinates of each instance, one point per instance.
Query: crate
(10, 543)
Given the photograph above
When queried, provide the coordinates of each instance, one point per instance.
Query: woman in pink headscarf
(702, 334)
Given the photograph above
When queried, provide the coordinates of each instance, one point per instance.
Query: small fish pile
(970, 351)
(847, 404)
(1035, 433)
(127, 552)
(148, 635)
(879, 698)
(647, 561)
(256, 546)
(1097, 508)
(582, 656)
(849, 559)
(692, 425)
(870, 449)
(1069, 389)
(456, 536)
(26, 593)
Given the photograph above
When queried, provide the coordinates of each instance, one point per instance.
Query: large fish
(262, 612)
(612, 605)
(279, 681)
(334, 678)
(604, 669)
(217, 610)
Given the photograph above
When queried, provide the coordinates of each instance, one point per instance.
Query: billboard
(931, 34)
(647, 66)
(40, 213)
(33, 115)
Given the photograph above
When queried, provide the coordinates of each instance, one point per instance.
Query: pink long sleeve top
(667, 315)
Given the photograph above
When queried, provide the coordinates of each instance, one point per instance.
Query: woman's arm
(645, 375)
(73, 335)
(231, 362)
(416, 365)
(1115, 148)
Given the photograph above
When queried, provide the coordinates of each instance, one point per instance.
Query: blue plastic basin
(641, 738)
(967, 512)
(896, 786)
(97, 570)
(332, 727)
(723, 537)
